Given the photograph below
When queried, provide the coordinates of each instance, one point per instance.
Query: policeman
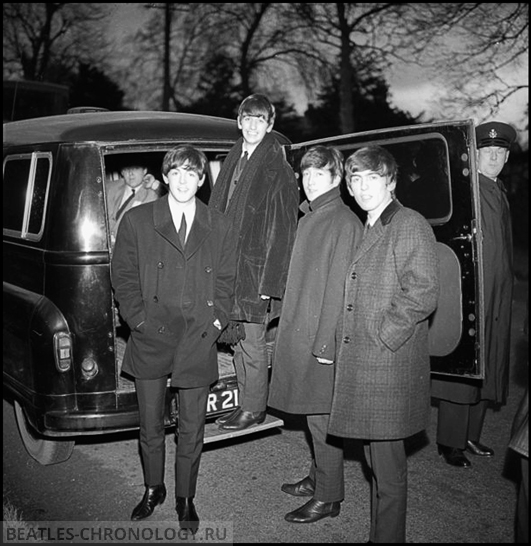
(463, 403)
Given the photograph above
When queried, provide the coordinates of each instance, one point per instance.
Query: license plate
(222, 401)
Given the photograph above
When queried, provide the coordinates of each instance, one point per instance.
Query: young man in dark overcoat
(173, 272)
(302, 378)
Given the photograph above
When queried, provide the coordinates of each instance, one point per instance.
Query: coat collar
(164, 225)
(323, 200)
(373, 234)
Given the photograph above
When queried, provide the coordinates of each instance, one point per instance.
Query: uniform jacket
(170, 297)
(327, 236)
(382, 389)
(498, 277)
(264, 208)
(115, 193)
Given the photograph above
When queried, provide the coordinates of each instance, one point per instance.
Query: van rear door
(437, 176)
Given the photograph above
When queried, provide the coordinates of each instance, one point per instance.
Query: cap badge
(493, 133)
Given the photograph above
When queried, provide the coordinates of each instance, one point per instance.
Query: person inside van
(173, 271)
(134, 187)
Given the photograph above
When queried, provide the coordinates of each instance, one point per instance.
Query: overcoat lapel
(370, 238)
(164, 225)
(200, 230)
(163, 222)
(373, 234)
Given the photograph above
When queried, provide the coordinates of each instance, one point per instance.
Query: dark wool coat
(326, 238)
(382, 384)
(265, 212)
(171, 297)
(498, 277)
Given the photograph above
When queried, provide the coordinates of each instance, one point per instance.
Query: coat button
(353, 275)
(350, 307)
(160, 265)
(156, 299)
(208, 269)
(204, 334)
(162, 330)
(210, 303)
(346, 339)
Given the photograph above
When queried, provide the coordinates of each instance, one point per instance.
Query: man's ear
(166, 180)
(507, 156)
(202, 181)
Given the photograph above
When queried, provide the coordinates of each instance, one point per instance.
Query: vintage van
(62, 345)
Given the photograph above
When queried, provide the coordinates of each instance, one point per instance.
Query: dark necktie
(182, 230)
(241, 164)
(127, 201)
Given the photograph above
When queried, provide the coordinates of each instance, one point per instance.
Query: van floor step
(213, 433)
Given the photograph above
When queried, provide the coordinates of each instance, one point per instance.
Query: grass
(15, 518)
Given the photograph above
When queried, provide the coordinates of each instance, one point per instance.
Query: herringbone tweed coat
(382, 384)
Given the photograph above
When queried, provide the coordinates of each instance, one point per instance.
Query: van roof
(120, 127)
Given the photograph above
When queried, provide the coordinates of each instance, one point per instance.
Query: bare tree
(355, 40)
(478, 51)
(266, 45)
(46, 41)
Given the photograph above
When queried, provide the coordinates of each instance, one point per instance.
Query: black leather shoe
(454, 456)
(304, 488)
(244, 420)
(152, 497)
(228, 416)
(479, 449)
(188, 518)
(313, 510)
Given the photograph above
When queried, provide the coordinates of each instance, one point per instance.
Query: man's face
(491, 160)
(254, 128)
(371, 190)
(183, 183)
(133, 176)
(316, 182)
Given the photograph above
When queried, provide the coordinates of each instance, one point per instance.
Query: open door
(437, 177)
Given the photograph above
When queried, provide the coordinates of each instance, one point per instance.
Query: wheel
(42, 449)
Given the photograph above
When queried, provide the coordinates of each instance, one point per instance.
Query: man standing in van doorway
(463, 403)
(256, 187)
(173, 273)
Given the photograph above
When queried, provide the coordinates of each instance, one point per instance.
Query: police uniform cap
(495, 133)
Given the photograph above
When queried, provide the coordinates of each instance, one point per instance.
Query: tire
(42, 449)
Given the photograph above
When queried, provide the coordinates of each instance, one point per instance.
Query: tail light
(62, 344)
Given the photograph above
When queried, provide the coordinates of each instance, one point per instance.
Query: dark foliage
(91, 87)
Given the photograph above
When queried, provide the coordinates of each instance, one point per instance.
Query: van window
(25, 193)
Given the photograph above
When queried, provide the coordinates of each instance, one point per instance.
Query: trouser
(388, 463)
(326, 470)
(251, 363)
(192, 405)
(458, 423)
